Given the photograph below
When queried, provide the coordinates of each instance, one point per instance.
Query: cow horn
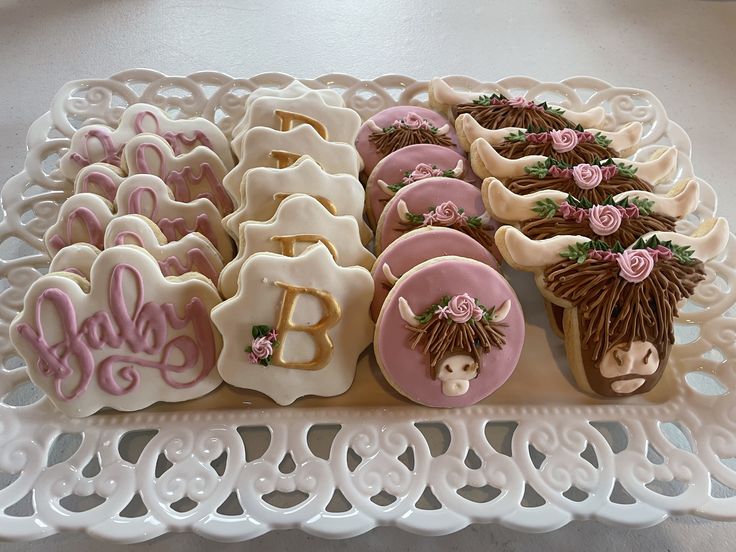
(403, 211)
(388, 274)
(469, 130)
(524, 253)
(406, 313)
(708, 240)
(624, 140)
(592, 118)
(444, 129)
(486, 161)
(506, 206)
(459, 169)
(373, 126)
(442, 95)
(659, 166)
(502, 312)
(384, 188)
(681, 200)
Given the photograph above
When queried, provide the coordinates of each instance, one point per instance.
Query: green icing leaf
(474, 222)
(602, 140)
(644, 205)
(626, 170)
(539, 169)
(396, 187)
(577, 252)
(518, 136)
(260, 331)
(546, 208)
(553, 110)
(484, 99)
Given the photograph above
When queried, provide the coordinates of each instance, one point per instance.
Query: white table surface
(682, 51)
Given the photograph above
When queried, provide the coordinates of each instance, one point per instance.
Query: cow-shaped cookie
(590, 181)
(99, 178)
(296, 326)
(266, 147)
(299, 222)
(126, 339)
(494, 108)
(449, 333)
(264, 188)
(619, 304)
(192, 175)
(103, 144)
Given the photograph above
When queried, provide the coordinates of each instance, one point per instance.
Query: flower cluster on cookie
(420, 172)
(516, 102)
(265, 340)
(563, 140)
(444, 214)
(460, 309)
(585, 175)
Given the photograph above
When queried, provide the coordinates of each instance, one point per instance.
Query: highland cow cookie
(125, 339)
(449, 333)
(619, 303)
(296, 326)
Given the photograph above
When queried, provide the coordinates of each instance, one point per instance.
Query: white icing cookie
(334, 124)
(148, 195)
(100, 143)
(296, 326)
(99, 178)
(198, 173)
(76, 258)
(263, 189)
(126, 339)
(299, 222)
(191, 253)
(266, 147)
(82, 219)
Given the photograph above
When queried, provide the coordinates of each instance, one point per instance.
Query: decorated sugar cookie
(436, 201)
(191, 253)
(263, 189)
(619, 303)
(293, 90)
(299, 222)
(296, 326)
(82, 219)
(408, 165)
(196, 174)
(417, 246)
(103, 144)
(397, 127)
(265, 147)
(76, 259)
(334, 124)
(148, 195)
(450, 332)
(99, 178)
(126, 339)
(492, 109)
(591, 181)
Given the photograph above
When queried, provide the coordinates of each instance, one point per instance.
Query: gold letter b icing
(318, 331)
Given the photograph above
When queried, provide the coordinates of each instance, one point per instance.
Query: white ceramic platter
(232, 466)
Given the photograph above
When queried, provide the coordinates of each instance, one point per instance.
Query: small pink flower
(564, 140)
(253, 359)
(462, 308)
(536, 137)
(568, 212)
(609, 171)
(422, 170)
(262, 347)
(447, 213)
(604, 220)
(632, 211)
(587, 176)
(413, 121)
(660, 252)
(272, 335)
(442, 312)
(517, 102)
(557, 172)
(600, 255)
(429, 218)
(635, 264)
(586, 136)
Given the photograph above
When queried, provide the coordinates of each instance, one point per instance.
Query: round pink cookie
(411, 164)
(421, 197)
(384, 119)
(408, 370)
(418, 246)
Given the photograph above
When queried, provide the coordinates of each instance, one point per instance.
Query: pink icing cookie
(416, 247)
(453, 295)
(436, 201)
(411, 164)
(422, 126)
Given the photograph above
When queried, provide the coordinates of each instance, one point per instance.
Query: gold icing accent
(318, 331)
(284, 158)
(288, 118)
(326, 203)
(289, 242)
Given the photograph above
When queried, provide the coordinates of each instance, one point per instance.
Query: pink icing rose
(413, 121)
(462, 308)
(564, 140)
(586, 136)
(517, 102)
(587, 176)
(261, 347)
(635, 264)
(604, 220)
(632, 211)
(447, 213)
(568, 212)
(423, 170)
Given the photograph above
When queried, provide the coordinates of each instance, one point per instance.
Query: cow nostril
(448, 368)
(467, 367)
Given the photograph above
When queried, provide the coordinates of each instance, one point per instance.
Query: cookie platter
(232, 465)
